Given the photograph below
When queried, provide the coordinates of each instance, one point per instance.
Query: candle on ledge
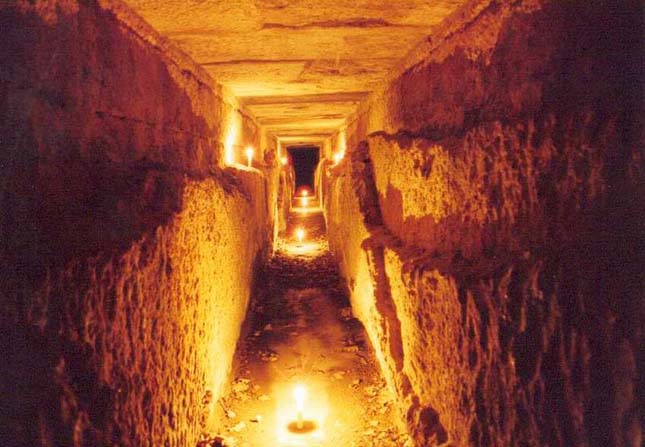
(249, 156)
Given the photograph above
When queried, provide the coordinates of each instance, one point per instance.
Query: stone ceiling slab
(296, 48)
(298, 76)
(266, 114)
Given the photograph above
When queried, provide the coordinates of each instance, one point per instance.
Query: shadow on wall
(508, 219)
(92, 156)
(116, 231)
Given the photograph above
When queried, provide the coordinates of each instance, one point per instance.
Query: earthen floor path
(300, 332)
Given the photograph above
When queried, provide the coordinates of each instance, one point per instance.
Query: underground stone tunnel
(457, 260)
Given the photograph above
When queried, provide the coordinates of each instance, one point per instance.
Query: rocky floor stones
(301, 330)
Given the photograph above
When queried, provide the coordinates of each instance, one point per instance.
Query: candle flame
(300, 394)
(300, 426)
(284, 160)
(249, 155)
(300, 234)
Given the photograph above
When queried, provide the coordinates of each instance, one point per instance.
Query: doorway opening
(305, 160)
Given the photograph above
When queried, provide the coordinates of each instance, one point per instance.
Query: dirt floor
(300, 333)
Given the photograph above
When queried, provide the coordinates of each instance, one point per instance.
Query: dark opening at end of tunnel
(305, 160)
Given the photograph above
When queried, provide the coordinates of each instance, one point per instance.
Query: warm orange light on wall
(229, 143)
(249, 156)
(342, 146)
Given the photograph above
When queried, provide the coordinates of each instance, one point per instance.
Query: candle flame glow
(300, 234)
(302, 412)
(300, 394)
(249, 155)
(284, 160)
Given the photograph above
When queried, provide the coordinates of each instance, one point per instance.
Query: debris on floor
(303, 334)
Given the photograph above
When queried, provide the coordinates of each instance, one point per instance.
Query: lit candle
(337, 158)
(304, 201)
(300, 234)
(249, 155)
(300, 394)
(305, 193)
(284, 160)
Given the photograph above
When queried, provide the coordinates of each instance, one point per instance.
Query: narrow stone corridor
(300, 332)
(466, 269)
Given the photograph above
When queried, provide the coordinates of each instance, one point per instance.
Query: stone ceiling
(300, 66)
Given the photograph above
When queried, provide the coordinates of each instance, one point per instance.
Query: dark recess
(305, 159)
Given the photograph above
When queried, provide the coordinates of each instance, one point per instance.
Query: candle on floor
(300, 394)
(300, 425)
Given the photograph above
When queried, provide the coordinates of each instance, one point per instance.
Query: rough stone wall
(127, 253)
(280, 185)
(320, 178)
(286, 191)
(506, 235)
(285, 186)
(356, 236)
